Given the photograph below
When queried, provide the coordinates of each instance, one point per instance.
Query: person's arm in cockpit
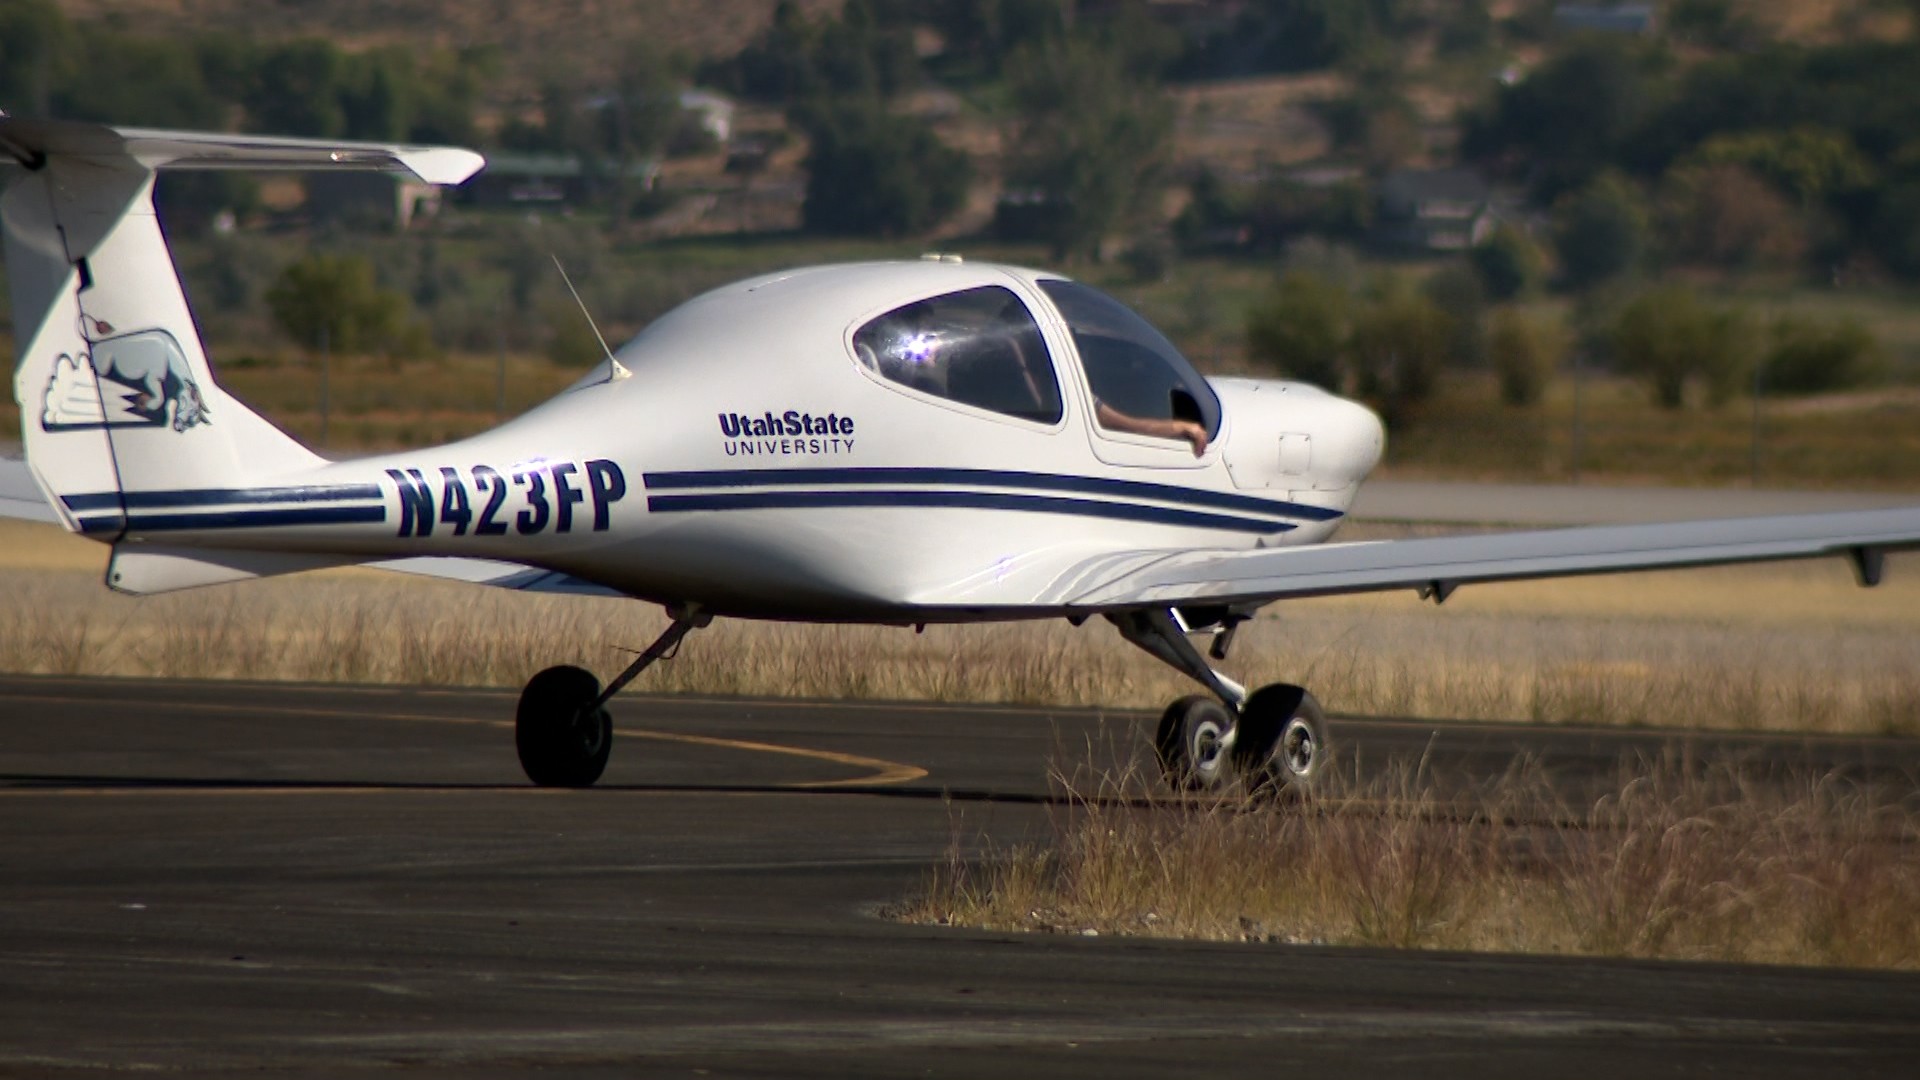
(1184, 430)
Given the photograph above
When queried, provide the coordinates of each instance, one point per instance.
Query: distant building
(1641, 19)
(1433, 210)
(512, 179)
(714, 113)
(369, 199)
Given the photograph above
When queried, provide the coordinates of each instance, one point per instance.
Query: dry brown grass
(1674, 863)
(1789, 647)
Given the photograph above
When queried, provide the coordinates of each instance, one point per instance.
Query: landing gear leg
(562, 728)
(1273, 739)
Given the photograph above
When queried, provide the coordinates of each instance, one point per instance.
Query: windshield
(1131, 367)
(980, 347)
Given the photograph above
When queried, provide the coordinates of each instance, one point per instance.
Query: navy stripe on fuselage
(113, 500)
(973, 500)
(235, 519)
(1080, 485)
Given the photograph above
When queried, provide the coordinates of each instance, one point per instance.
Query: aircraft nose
(1360, 440)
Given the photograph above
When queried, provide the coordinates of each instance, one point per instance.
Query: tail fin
(117, 404)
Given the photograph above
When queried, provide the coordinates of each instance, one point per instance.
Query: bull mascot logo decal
(146, 384)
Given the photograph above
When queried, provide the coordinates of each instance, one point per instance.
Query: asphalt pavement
(212, 878)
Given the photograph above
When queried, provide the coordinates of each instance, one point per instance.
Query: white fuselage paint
(750, 465)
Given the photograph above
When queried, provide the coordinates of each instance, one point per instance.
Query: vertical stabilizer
(118, 407)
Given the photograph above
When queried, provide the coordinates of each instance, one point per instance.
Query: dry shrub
(1677, 861)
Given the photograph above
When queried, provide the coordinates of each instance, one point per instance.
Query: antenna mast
(615, 370)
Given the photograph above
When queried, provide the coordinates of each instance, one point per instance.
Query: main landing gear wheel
(1282, 743)
(1273, 740)
(1191, 744)
(562, 731)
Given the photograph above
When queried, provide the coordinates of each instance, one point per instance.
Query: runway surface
(323, 881)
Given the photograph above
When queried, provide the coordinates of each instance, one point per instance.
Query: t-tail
(120, 416)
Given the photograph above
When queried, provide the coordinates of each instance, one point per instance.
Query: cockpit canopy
(1131, 366)
(982, 347)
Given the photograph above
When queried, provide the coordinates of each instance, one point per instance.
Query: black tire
(1188, 744)
(1283, 742)
(561, 743)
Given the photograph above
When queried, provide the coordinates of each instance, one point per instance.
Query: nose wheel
(1271, 740)
(1277, 743)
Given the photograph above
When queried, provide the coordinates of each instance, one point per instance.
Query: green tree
(1723, 215)
(1667, 336)
(1301, 329)
(1600, 231)
(1524, 351)
(37, 47)
(1573, 117)
(1299, 35)
(1509, 263)
(632, 123)
(1401, 342)
(872, 173)
(1456, 290)
(296, 90)
(1895, 230)
(335, 298)
(984, 33)
(1810, 164)
(1815, 356)
(128, 78)
(868, 50)
(1088, 139)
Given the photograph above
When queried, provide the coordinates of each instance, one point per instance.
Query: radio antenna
(615, 370)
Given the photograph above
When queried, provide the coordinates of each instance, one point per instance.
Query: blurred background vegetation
(1673, 240)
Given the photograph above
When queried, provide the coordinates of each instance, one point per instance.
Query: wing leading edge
(1437, 566)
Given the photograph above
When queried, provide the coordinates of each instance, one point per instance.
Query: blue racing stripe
(112, 500)
(975, 500)
(238, 519)
(1085, 485)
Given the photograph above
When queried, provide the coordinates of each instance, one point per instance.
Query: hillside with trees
(1423, 202)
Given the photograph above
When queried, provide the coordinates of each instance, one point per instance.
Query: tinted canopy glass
(1130, 366)
(980, 347)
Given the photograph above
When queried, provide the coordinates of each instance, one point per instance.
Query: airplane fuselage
(730, 460)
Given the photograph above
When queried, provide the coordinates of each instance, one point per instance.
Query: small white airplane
(896, 443)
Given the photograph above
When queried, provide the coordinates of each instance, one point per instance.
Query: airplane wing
(1435, 567)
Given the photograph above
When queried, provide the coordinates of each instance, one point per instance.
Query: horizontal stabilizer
(146, 569)
(20, 497)
(33, 141)
(499, 575)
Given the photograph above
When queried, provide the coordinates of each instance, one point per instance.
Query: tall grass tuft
(1675, 861)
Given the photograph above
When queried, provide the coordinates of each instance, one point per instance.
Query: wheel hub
(1297, 747)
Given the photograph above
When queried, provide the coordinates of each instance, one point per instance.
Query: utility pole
(1579, 425)
(326, 361)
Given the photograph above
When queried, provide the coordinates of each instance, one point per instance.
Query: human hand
(1194, 434)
